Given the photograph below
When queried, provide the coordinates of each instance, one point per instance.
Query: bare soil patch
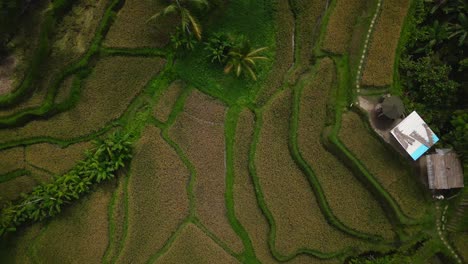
(194, 246)
(200, 134)
(157, 197)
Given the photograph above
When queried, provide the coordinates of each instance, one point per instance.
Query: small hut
(391, 107)
(443, 170)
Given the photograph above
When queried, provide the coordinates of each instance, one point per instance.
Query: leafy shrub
(429, 82)
(219, 46)
(46, 200)
(458, 137)
(181, 40)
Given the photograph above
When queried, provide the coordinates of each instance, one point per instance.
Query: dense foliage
(433, 69)
(46, 200)
(10, 11)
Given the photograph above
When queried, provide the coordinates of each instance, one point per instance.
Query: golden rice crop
(341, 24)
(347, 198)
(200, 134)
(165, 104)
(131, 28)
(106, 94)
(11, 159)
(157, 197)
(12, 189)
(79, 234)
(54, 158)
(378, 67)
(246, 208)
(194, 246)
(284, 52)
(402, 185)
(299, 222)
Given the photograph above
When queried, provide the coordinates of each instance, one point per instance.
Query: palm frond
(228, 68)
(172, 8)
(256, 51)
(251, 72)
(199, 3)
(195, 26)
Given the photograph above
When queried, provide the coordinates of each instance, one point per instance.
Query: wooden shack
(443, 170)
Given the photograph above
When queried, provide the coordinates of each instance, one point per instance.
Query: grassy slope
(253, 19)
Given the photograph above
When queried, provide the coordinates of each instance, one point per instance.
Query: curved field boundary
(334, 144)
(232, 117)
(14, 174)
(57, 141)
(267, 213)
(313, 181)
(135, 52)
(51, 16)
(48, 108)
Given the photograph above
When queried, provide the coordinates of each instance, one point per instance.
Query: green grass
(254, 19)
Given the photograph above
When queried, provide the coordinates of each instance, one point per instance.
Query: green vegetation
(46, 200)
(270, 167)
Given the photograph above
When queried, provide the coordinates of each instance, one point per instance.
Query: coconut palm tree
(242, 59)
(182, 8)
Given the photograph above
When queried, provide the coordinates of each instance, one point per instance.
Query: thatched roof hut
(443, 169)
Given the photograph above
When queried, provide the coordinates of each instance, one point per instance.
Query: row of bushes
(82, 67)
(102, 163)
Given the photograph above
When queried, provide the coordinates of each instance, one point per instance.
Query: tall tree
(242, 58)
(184, 9)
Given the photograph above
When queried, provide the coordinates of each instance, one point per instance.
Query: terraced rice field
(224, 170)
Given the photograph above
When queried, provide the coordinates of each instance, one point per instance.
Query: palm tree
(189, 22)
(459, 29)
(242, 58)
